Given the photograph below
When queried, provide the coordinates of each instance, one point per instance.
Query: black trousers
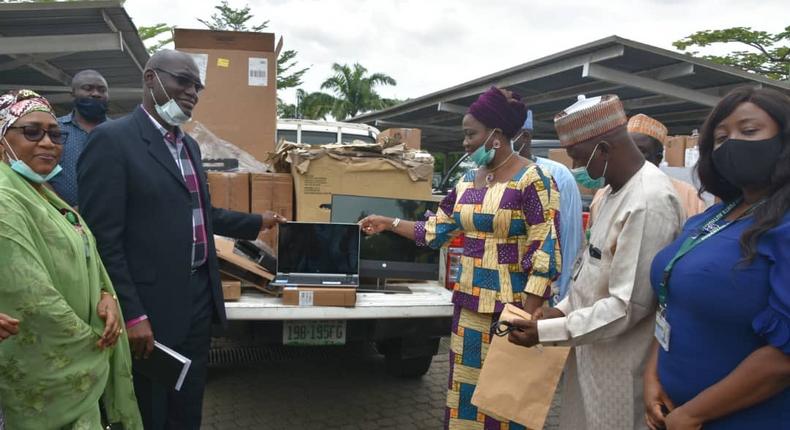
(163, 408)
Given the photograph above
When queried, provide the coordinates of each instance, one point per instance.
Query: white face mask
(170, 112)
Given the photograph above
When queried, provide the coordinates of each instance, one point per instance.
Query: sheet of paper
(258, 73)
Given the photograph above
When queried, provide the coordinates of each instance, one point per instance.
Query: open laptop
(318, 254)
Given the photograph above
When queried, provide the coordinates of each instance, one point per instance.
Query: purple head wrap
(495, 110)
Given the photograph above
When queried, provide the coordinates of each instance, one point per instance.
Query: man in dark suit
(143, 193)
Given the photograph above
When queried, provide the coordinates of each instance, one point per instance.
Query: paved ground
(326, 388)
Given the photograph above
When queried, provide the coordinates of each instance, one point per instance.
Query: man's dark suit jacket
(134, 199)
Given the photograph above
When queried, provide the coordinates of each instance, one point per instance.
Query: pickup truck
(406, 328)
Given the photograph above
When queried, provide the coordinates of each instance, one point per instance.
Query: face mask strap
(160, 86)
(10, 149)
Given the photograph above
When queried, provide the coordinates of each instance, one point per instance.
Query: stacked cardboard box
(272, 192)
(230, 190)
(681, 151)
(239, 71)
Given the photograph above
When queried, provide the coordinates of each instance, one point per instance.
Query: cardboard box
(239, 70)
(675, 151)
(272, 192)
(231, 290)
(371, 177)
(412, 137)
(230, 190)
(317, 296)
(561, 156)
(239, 267)
(692, 152)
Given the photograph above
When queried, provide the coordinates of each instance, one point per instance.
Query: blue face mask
(582, 175)
(483, 156)
(26, 172)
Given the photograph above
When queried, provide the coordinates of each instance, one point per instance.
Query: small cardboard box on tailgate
(239, 70)
(320, 296)
(363, 170)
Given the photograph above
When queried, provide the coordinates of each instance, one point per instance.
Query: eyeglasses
(35, 133)
(502, 328)
(184, 81)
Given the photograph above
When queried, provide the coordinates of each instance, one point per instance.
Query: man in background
(91, 97)
(571, 234)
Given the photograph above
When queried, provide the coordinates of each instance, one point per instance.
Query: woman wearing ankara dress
(508, 210)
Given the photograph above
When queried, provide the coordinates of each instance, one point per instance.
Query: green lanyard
(709, 229)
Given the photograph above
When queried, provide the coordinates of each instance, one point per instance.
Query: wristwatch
(395, 223)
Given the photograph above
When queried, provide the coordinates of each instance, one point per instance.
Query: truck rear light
(454, 252)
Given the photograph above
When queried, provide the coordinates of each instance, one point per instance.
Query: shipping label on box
(258, 72)
(202, 63)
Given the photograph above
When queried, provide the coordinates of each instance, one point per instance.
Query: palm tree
(355, 90)
(315, 105)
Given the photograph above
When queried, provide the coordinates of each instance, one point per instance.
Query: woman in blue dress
(722, 349)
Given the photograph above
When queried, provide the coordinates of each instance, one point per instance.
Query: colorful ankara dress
(52, 374)
(511, 248)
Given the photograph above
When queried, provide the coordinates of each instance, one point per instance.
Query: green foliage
(285, 77)
(228, 18)
(769, 54)
(150, 35)
(354, 90)
(316, 105)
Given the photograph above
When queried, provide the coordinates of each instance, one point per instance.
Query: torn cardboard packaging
(241, 268)
(317, 296)
(410, 137)
(364, 170)
(239, 70)
(230, 190)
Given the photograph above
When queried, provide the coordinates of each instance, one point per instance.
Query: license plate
(301, 333)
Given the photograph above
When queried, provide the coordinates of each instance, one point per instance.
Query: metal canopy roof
(42, 46)
(677, 89)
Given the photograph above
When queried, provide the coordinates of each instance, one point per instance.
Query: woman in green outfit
(70, 354)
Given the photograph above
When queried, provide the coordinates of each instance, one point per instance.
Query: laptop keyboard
(320, 280)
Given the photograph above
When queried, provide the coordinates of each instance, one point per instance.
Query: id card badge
(663, 329)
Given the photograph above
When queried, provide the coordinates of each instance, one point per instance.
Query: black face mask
(91, 109)
(748, 163)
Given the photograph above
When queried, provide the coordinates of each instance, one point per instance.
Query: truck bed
(428, 299)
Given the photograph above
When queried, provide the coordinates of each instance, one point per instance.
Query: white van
(312, 132)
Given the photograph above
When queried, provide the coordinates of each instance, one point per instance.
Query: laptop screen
(318, 248)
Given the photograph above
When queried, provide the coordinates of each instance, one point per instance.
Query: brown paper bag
(518, 383)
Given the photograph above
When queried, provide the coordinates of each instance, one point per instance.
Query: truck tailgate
(428, 299)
